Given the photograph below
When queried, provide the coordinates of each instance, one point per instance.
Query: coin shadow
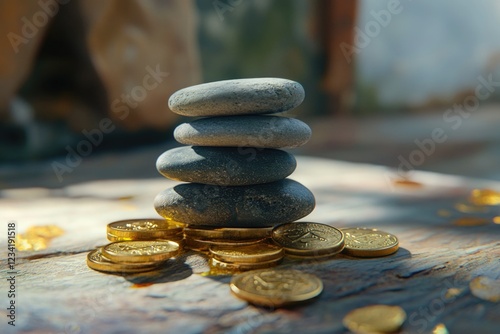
(172, 270)
(402, 253)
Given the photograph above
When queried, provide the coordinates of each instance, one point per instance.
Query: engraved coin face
(97, 261)
(375, 319)
(304, 238)
(140, 251)
(276, 287)
(144, 228)
(247, 254)
(366, 242)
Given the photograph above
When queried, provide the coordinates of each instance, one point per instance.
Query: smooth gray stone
(237, 97)
(225, 166)
(260, 205)
(244, 131)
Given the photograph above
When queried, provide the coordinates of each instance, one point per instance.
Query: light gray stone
(226, 166)
(237, 97)
(260, 205)
(244, 131)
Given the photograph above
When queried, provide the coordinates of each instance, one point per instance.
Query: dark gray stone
(237, 97)
(244, 131)
(260, 205)
(225, 166)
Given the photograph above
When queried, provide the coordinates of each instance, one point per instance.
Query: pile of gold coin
(145, 229)
(132, 256)
(137, 246)
(313, 240)
(232, 250)
(201, 238)
(252, 253)
(244, 258)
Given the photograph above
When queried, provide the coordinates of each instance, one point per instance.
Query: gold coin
(485, 288)
(142, 229)
(97, 261)
(207, 232)
(247, 254)
(484, 197)
(196, 244)
(470, 208)
(367, 242)
(114, 238)
(232, 266)
(204, 245)
(140, 251)
(308, 239)
(444, 213)
(37, 237)
(471, 221)
(375, 319)
(276, 287)
(407, 183)
(440, 329)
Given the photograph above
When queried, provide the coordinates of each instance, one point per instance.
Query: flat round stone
(244, 131)
(225, 166)
(260, 205)
(237, 97)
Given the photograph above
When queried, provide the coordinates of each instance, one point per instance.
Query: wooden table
(58, 293)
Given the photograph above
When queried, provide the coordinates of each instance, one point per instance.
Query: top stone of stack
(237, 97)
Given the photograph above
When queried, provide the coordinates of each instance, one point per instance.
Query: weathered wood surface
(58, 293)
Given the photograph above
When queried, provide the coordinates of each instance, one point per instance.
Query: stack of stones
(235, 170)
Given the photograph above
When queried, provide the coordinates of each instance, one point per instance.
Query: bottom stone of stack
(261, 205)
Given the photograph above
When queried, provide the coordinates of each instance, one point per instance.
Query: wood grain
(58, 293)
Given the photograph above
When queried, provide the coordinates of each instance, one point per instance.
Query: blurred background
(406, 84)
